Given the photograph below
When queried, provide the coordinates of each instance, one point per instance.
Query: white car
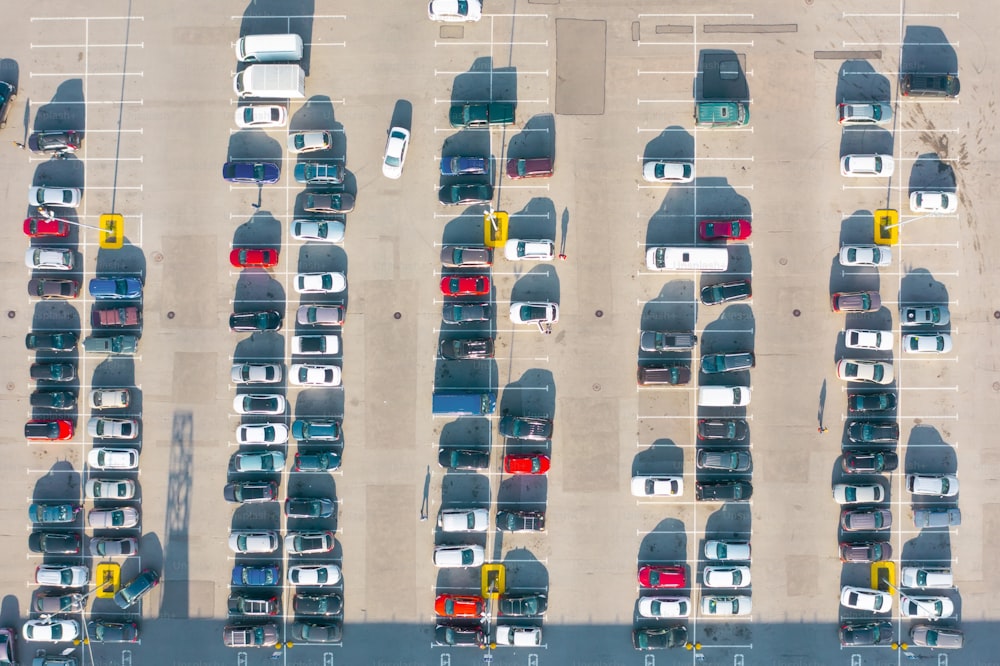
(49, 258)
(872, 372)
(53, 630)
(68, 197)
(256, 373)
(933, 203)
(927, 344)
(395, 152)
(727, 550)
(307, 142)
(848, 493)
(926, 577)
(665, 171)
(57, 575)
(100, 426)
(324, 231)
(111, 398)
(935, 485)
(116, 518)
(860, 338)
(259, 403)
(317, 575)
(865, 255)
(315, 344)
(101, 457)
(866, 599)
(253, 542)
(302, 374)
(122, 489)
(305, 543)
(863, 113)
(726, 576)
(523, 312)
(664, 606)
(517, 249)
(463, 520)
(261, 116)
(867, 165)
(518, 636)
(320, 283)
(924, 315)
(717, 605)
(459, 556)
(657, 486)
(262, 433)
(927, 607)
(455, 11)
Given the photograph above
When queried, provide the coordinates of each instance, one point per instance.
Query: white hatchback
(517, 249)
(664, 606)
(455, 11)
(463, 520)
(253, 542)
(939, 343)
(320, 283)
(859, 338)
(727, 550)
(867, 165)
(865, 255)
(262, 433)
(657, 486)
(323, 231)
(664, 171)
(726, 576)
(934, 203)
(866, 599)
(261, 116)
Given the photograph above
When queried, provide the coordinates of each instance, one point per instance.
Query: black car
(61, 400)
(521, 521)
(867, 432)
(526, 427)
(734, 429)
(461, 313)
(267, 320)
(245, 492)
(458, 459)
(867, 633)
(522, 605)
(724, 491)
(734, 460)
(102, 631)
(58, 141)
(456, 195)
(317, 461)
(866, 462)
(53, 372)
(50, 341)
(7, 94)
(62, 543)
(467, 349)
(659, 639)
(309, 632)
(871, 402)
(318, 604)
(459, 636)
(308, 507)
(737, 290)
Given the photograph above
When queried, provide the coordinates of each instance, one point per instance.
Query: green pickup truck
(721, 114)
(481, 114)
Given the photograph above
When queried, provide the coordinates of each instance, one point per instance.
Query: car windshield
(467, 556)
(878, 372)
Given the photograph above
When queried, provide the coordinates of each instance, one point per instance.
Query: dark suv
(268, 320)
(929, 85)
(715, 294)
(525, 427)
(724, 491)
(7, 93)
(60, 141)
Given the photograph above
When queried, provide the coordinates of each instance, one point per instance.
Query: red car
(530, 463)
(250, 257)
(531, 167)
(658, 576)
(724, 229)
(455, 605)
(37, 227)
(48, 430)
(465, 285)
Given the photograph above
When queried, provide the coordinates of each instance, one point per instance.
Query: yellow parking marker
(494, 581)
(107, 576)
(495, 228)
(112, 231)
(890, 574)
(886, 226)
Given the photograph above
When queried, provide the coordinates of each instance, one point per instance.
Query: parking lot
(601, 91)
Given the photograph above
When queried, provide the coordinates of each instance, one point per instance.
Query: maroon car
(529, 167)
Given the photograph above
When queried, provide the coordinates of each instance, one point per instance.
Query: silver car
(459, 256)
(320, 315)
(940, 638)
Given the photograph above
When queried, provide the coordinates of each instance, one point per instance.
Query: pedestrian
(562, 256)
(19, 145)
(822, 429)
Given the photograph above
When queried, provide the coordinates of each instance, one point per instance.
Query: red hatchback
(38, 227)
(658, 576)
(48, 430)
(251, 257)
(530, 463)
(465, 285)
(724, 229)
(455, 605)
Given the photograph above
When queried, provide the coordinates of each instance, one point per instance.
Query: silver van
(723, 396)
(269, 48)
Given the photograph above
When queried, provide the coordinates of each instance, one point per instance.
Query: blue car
(115, 288)
(325, 430)
(46, 514)
(258, 576)
(251, 172)
(136, 588)
(462, 166)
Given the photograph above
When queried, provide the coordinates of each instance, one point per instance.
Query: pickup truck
(117, 344)
(125, 315)
(721, 114)
(481, 114)
(666, 341)
(523, 605)
(243, 605)
(713, 363)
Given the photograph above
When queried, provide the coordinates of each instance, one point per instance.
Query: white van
(723, 396)
(284, 81)
(269, 48)
(709, 259)
(923, 577)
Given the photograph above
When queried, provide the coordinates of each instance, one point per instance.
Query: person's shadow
(427, 491)
(822, 403)
(565, 228)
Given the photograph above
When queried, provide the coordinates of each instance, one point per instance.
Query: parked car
(526, 463)
(520, 521)
(940, 638)
(869, 462)
(534, 313)
(261, 116)
(253, 542)
(466, 194)
(319, 173)
(939, 343)
(302, 374)
(934, 518)
(316, 461)
(929, 85)
(117, 345)
(867, 165)
(734, 429)
(924, 315)
(865, 255)
(54, 543)
(109, 398)
(395, 152)
(60, 602)
(455, 11)
(727, 550)
(54, 141)
(137, 588)
(262, 433)
(864, 113)
(109, 428)
(933, 203)
(304, 543)
(517, 249)
(466, 348)
(121, 517)
(463, 520)
(316, 575)
(48, 430)
(462, 256)
(320, 283)
(305, 142)
(646, 638)
(329, 202)
(260, 575)
(856, 520)
(657, 486)
(465, 285)
(872, 372)
(101, 457)
(259, 461)
(121, 489)
(866, 599)
(254, 257)
(115, 317)
(463, 313)
(51, 630)
(855, 338)
(865, 633)
(529, 167)
(723, 491)
(471, 555)
(51, 514)
(259, 403)
(856, 301)
(255, 373)
(937, 485)
(659, 576)
(49, 288)
(250, 492)
(710, 230)
(518, 636)
(656, 341)
(726, 576)
(456, 636)
(46, 341)
(457, 459)
(872, 432)
(320, 315)
(725, 292)
(53, 195)
(932, 607)
(255, 173)
(726, 605)
(45, 227)
(666, 171)
(323, 231)
(250, 635)
(266, 320)
(846, 493)
(733, 362)
(56, 400)
(49, 258)
(114, 546)
(927, 577)
(464, 166)
(522, 605)
(309, 507)
(323, 430)
(525, 427)
(457, 605)
(58, 575)
(726, 460)
(663, 374)
(317, 632)
(871, 402)
(329, 603)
